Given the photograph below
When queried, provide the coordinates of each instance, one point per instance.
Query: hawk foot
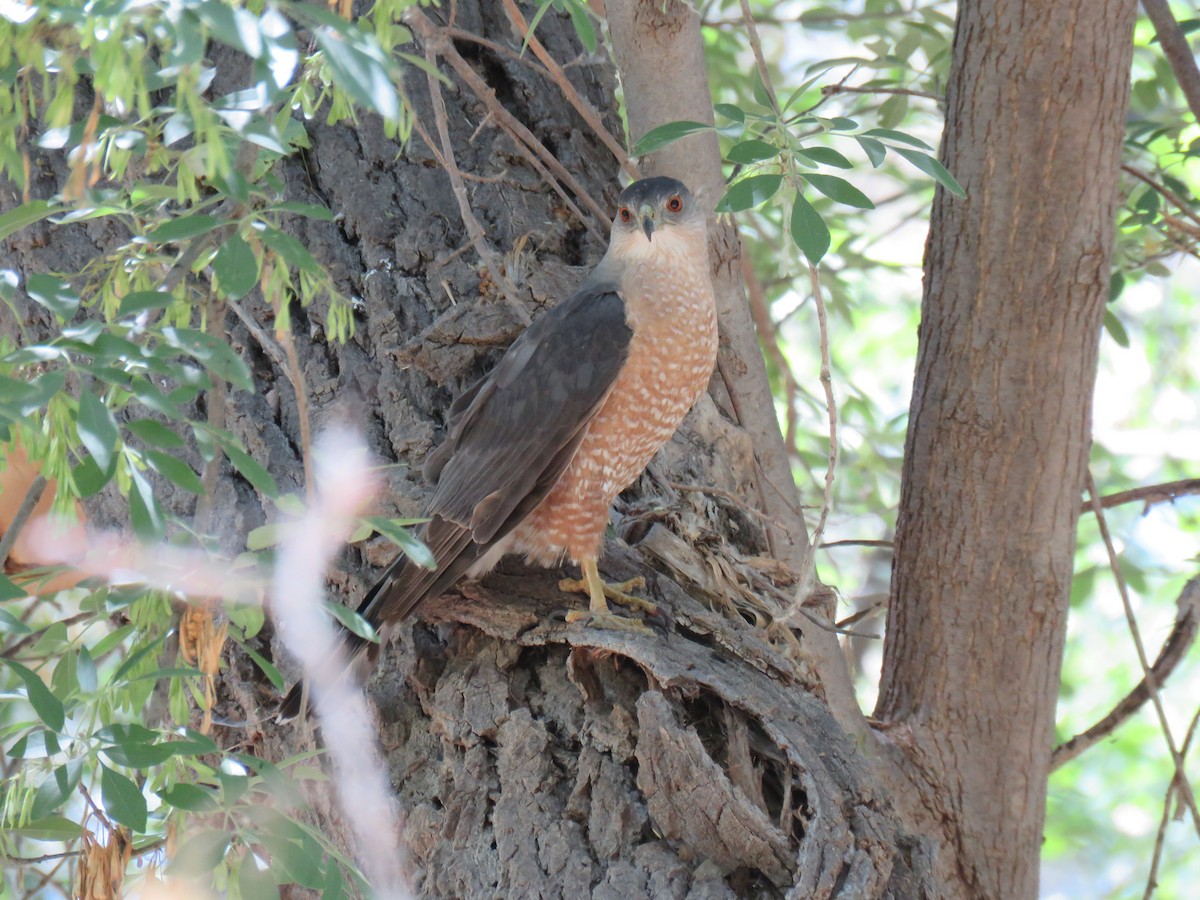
(614, 592)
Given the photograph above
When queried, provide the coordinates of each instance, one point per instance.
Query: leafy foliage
(103, 398)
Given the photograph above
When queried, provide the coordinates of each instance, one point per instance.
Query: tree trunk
(1016, 280)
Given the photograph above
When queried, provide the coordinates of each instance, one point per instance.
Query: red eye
(675, 204)
(626, 215)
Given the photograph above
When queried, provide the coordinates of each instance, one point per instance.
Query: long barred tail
(398, 593)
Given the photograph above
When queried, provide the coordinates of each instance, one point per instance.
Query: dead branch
(1151, 495)
(1174, 648)
(1151, 685)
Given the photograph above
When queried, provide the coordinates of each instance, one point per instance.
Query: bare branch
(1152, 877)
(1183, 205)
(831, 89)
(1174, 648)
(857, 543)
(1167, 492)
(1152, 686)
(541, 158)
(1176, 50)
(760, 61)
(474, 229)
(585, 109)
(23, 513)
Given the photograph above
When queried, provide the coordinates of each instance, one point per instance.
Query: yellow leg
(598, 612)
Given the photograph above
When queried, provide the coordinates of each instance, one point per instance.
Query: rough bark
(1016, 279)
(533, 758)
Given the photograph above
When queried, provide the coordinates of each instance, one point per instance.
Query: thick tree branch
(1174, 648)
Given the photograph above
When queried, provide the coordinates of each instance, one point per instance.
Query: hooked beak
(647, 215)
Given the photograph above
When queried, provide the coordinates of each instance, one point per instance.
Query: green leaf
(308, 210)
(809, 230)
(89, 478)
(751, 151)
(48, 707)
(255, 883)
(352, 621)
(183, 228)
(1115, 329)
(293, 252)
(272, 673)
(37, 744)
(145, 514)
(25, 214)
(123, 800)
(265, 536)
(139, 301)
(200, 854)
(360, 68)
(893, 110)
(729, 111)
(657, 138)
(826, 156)
(1116, 285)
(839, 189)
(749, 192)
(174, 469)
(236, 268)
(875, 150)
(189, 797)
(10, 591)
(395, 532)
(52, 828)
(253, 471)
(56, 788)
(97, 429)
(896, 137)
(155, 433)
(233, 26)
(931, 166)
(54, 294)
(126, 733)
(583, 24)
(85, 669)
(215, 354)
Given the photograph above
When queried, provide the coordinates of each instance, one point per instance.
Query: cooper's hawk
(538, 449)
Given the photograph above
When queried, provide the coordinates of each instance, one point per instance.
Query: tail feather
(394, 597)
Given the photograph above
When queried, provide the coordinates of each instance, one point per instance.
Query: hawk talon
(614, 592)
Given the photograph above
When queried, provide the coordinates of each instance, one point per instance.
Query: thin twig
(1184, 206)
(260, 334)
(215, 403)
(525, 140)
(1167, 492)
(830, 89)
(17, 646)
(1176, 50)
(474, 230)
(830, 406)
(1160, 838)
(24, 511)
(585, 109)
(760, 61)
(1174, 648)
(730, 497)
(768, 334)
(1185, 789)
(67, 854)
(857, 543)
